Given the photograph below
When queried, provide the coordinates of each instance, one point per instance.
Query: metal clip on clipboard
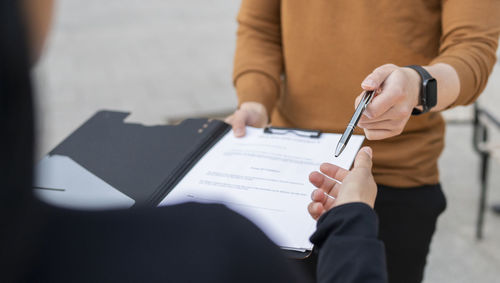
(313, 134)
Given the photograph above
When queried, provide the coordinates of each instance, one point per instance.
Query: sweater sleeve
(258, 61)
(469, 40)
(349, 250)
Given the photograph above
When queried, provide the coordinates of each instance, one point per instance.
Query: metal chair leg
(480, 137)
(481, 134)
(485, 157)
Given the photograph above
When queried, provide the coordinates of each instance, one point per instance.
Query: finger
(333, 171)
(374, 135)
(318, 195)
(315, 209)
(334, 192)
(393, 120)
(393, 125)
(358, 100)
(329, 203)
(389, 100)
(377, 77)
(366, 123)
(229, 119)
(383, 103)
(239, 123)
(321, 196)
(388, 115)
(327, 199)
(320, 181)
(364, 158)
(359, 97)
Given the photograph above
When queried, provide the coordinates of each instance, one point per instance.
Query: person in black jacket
(183, 243)
(346, 235)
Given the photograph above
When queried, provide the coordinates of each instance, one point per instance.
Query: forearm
(349, 250)
(258, 62)
(470, 31)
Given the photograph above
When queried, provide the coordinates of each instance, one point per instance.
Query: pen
(367, 98)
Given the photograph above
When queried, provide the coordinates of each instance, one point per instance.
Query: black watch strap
(423, 96)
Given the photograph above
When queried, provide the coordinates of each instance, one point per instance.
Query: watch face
(431, 92)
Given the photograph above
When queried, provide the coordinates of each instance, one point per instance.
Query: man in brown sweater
(301, 63)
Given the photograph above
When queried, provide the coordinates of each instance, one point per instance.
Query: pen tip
(339, 149)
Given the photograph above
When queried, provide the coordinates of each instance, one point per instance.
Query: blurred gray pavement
(164, 60)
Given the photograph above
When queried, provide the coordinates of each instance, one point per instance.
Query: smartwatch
(428, 90)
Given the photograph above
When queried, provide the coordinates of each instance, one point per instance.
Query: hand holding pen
(397, 90)
(397, 95)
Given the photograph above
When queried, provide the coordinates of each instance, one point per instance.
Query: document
(264, 177)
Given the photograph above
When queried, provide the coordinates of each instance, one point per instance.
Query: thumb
(364, 158)
(358, 100)
(239, 121)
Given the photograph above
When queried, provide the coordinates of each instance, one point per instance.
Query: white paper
(265, 177)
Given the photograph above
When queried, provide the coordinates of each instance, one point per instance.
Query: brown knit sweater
(305, 61)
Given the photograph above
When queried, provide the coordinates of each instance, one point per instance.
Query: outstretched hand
(397, 94)
(249, 114)
(356, 185)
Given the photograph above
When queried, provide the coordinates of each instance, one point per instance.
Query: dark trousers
(407, 221)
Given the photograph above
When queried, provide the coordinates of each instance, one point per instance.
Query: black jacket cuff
(352, 219)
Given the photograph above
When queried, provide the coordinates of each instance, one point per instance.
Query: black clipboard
(130, 156)
(146, 162)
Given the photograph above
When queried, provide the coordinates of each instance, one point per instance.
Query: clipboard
(130, 165)
(130, 156)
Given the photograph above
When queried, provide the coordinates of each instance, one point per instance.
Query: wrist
(413, 87)
(361, 218)
(255, 107)
(257, 87)
(427, 91)
(257, 111)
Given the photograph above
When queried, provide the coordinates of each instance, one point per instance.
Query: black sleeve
(349, 250)
(182, 243)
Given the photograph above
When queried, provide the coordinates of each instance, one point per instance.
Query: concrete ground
(165, 60)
